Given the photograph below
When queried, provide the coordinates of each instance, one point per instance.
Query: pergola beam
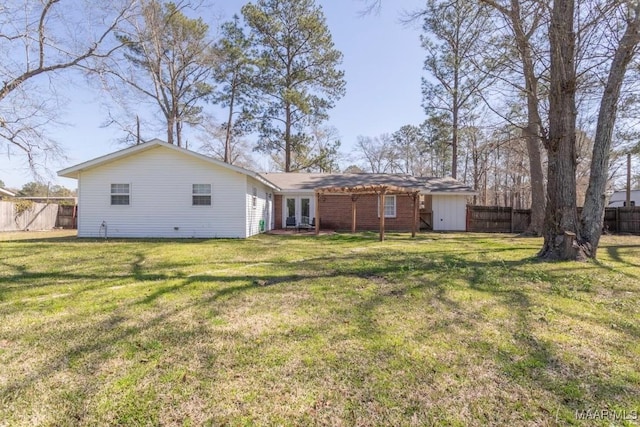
(378, 189)
(317, 222)
(416, 213)
(367, 189)
(381, 214)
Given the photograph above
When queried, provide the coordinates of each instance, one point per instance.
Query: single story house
(619, 199)
(157, 189)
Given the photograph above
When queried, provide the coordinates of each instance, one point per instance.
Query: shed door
(449, 213)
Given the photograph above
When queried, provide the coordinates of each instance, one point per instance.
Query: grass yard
(444, 329)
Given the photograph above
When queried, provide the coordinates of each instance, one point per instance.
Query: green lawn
(444, 329)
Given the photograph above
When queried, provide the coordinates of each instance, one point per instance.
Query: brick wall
(277, 211)
(335, 213)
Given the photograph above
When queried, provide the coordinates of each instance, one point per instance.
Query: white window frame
(195, 193)
(254, 198)
(117, 193)
(386, 200)
(297, 198)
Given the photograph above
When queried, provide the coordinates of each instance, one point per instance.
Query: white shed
(157, 189)
(449, 212)
(449, 199)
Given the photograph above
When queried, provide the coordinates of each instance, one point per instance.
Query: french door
(299, 207)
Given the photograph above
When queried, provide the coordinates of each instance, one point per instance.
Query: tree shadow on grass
(539, 363)
(616, 254)
(536, 364)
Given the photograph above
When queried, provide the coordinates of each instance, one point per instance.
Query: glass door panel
(291, 207)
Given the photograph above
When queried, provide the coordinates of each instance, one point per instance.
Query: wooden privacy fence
(497, 219)
(624, 220)
(67, 217)
(27, 216)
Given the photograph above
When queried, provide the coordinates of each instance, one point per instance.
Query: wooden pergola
(381, 190)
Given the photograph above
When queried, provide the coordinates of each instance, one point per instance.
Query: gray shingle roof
(306, 182)
(445, 185)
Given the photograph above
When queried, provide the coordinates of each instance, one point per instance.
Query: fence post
(511, 227)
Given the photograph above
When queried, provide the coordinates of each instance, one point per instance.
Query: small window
(120, 194)
(389, 207)
(254, 198)
(201, 194)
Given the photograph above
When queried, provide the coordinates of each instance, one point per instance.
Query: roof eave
(266, 182)
(74, 171)
(452, 193)
(295, 190)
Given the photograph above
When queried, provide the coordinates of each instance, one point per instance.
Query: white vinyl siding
(259, 206)
(161, 181)
(449, 212)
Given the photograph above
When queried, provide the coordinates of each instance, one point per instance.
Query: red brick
(335, 213)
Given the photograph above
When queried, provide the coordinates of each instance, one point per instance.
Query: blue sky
(383, 67)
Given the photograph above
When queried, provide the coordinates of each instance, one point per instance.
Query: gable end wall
(161, 198)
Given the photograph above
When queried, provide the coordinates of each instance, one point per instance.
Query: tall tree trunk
(593, 212)
(227, 140)
(179, 133)
(538, 199)
(170, 124)
(476, 172)
(561, 216)
(532, 132)
(287, 139)
(454, 136)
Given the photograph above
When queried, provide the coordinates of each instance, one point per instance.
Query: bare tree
(561, 212)
(525, 19)
(168, 60)
(455, 37)
(593, 212)
(320, 151)
(214, 142)
(39, 41)
(377, 152)
(409, 149)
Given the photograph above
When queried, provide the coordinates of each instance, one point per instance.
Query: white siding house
(156, 189)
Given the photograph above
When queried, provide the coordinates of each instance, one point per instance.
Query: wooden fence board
(498, 219)
(67, 217)
(40, 216)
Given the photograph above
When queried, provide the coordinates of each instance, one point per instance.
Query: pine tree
(299, 78)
